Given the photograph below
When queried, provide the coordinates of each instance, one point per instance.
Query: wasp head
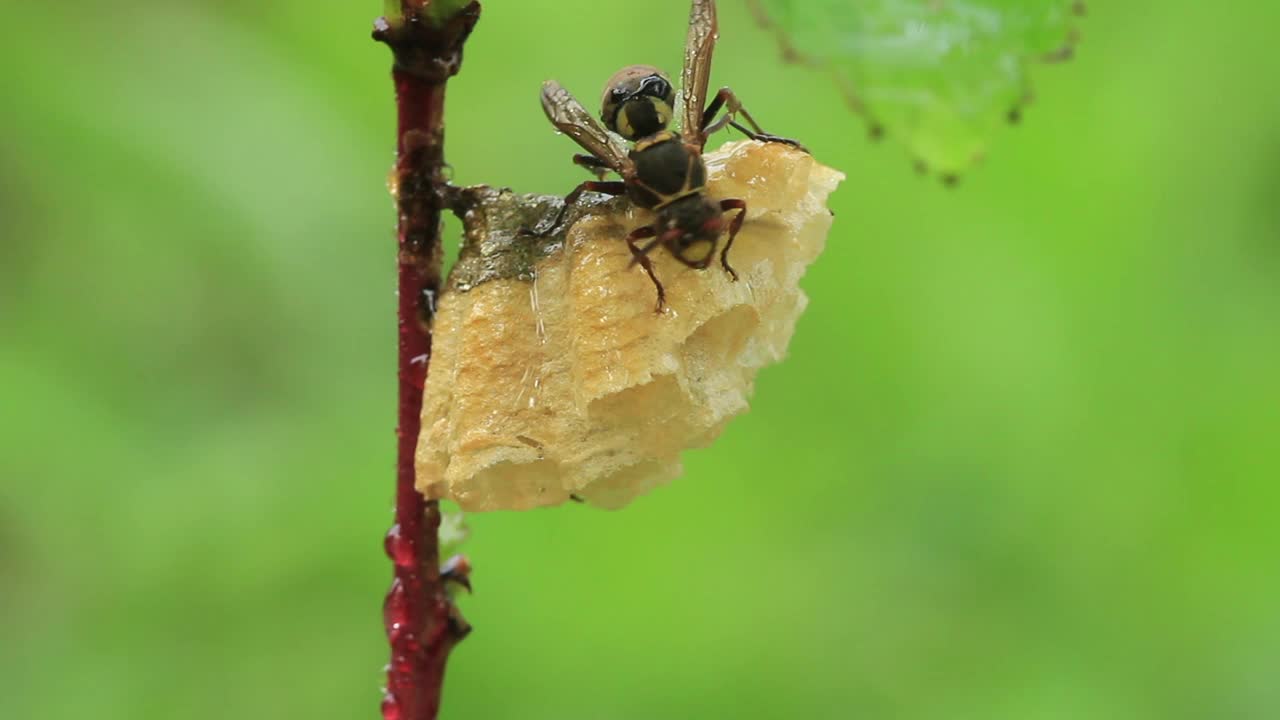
(637, 102)
(691, 228)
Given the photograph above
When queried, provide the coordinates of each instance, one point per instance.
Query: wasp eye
(655, 86)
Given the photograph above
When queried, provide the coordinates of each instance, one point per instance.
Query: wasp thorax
(637, 101)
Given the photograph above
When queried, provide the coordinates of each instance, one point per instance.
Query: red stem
(421, 621)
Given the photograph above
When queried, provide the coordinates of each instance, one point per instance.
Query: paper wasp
(664, 171)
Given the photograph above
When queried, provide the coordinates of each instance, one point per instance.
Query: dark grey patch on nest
(498, 243)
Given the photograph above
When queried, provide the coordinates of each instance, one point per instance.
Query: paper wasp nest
(552, 376)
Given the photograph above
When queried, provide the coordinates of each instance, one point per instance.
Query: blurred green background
(1021, 463)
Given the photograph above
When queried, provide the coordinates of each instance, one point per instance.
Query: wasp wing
(567, 114)
(698, 48)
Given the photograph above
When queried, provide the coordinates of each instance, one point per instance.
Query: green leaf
(937, 75)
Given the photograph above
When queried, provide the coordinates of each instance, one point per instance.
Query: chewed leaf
(939, 76)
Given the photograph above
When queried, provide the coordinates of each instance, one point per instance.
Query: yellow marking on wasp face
(663, 111)
(698, 251)
(660, 108)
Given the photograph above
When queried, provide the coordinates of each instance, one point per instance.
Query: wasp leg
(640, 256)
(766, 137)
(607, 188)
(734, 227)
(593, 165)
(733, 108)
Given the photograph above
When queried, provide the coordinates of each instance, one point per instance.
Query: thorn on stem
(457, 569)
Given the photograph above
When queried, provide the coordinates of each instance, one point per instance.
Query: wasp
(663, 170)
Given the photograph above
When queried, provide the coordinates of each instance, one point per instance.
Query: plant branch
(421, 621)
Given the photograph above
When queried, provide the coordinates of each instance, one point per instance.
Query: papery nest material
(551, 375)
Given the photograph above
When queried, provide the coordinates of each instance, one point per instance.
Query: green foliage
(940, 76)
